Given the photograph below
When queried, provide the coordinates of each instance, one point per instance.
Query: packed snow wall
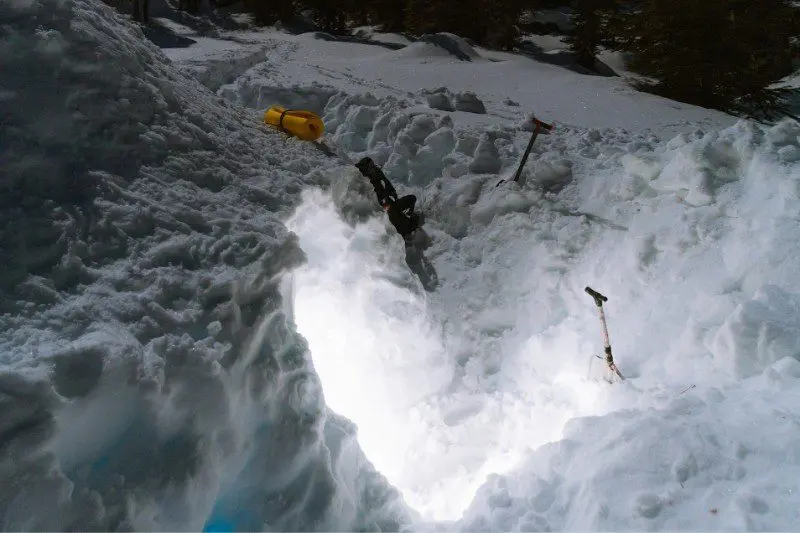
(149, 377)
(693, 239)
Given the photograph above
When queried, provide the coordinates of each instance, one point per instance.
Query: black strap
(280, 121)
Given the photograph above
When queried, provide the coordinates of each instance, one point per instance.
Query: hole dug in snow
(385, 363)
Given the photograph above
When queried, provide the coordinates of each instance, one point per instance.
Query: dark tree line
(721, 54)
(491, 22)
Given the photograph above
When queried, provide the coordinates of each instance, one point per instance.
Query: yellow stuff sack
(304, 125)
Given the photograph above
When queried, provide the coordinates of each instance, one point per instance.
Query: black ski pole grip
(598, 298)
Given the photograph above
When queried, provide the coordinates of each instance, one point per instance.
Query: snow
(179, 29)
(391, 38)
(693, 462)
(148, 367)
(558, 17)
(621, 211)
(547, 43)
(206, 325)
(551, 91)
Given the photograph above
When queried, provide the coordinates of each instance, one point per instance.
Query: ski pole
(598, 300)
(539, 126)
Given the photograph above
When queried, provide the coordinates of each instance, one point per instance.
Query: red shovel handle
(542, 125)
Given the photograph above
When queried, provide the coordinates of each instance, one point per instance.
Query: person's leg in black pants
(406, 203)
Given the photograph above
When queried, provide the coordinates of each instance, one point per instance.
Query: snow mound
(759, 332)
(217, 67)
(440, 99)
(692, 462)
(419, 50)
(560, 19)
(413, 148)
(469, 103)
(437, 45)
(151, 379)
(444, 100)
(454, 44)
(261, 96)
(698, 294)
(487, 158)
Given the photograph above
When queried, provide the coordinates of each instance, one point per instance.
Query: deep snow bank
(150, 379)
(710, 459)
(702, 225)
(693, 239)
(695, 242)
(216, 67)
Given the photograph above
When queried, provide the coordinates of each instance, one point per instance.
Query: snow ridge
(153, 377)
(147, 358)
(691, 240)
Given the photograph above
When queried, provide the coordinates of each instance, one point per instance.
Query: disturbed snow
(153, 376)
(150, 376)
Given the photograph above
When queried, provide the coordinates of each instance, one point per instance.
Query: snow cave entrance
(383, 363)
(375, 350)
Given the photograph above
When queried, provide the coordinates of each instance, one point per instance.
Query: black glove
(366, 166)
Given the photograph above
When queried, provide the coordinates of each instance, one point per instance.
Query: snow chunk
(648, 505)
(551, 176)
(692, 467)
(454, 44)
(789, 154)
(760, 332)
(500, 202)
(441, 100)
(444, 100)
(149, 373)
(487, 158)
(430, 159)
(644, 166)
(786, 133)
(467, 143)
(469, 103)
(702, 167)
(254, 92)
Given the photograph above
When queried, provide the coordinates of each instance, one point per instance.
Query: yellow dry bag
(304, 125)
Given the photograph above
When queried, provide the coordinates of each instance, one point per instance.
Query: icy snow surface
(153, 374)
(150, 378)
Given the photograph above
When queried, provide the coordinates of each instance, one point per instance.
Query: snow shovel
(598, 300)
(540, 126)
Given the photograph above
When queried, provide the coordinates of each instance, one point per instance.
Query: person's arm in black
(383, 187)
(388, 189)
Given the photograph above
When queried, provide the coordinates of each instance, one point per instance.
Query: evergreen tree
(192, 6)
(500, 20)
(390, 14)
(329, 15)
(590, 30)
(425, 16)
(267, 12)
(141, 11)
(717, 54)
(414, 16)
(764, 47)
(492, 22)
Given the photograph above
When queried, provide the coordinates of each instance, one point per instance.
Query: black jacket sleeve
(383, 188)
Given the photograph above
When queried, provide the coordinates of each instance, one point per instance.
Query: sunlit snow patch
(384, 364)
(371, 342)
